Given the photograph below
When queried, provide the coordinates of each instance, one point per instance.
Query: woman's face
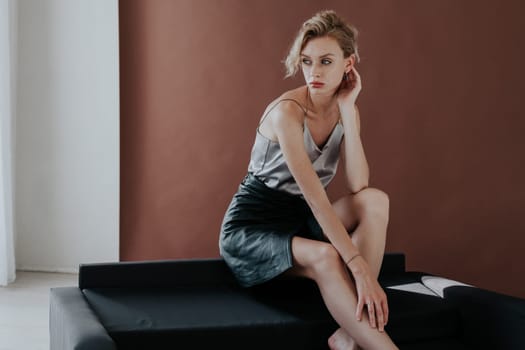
(324, 65)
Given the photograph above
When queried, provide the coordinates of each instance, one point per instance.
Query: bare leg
(322, 263)
(366, 214)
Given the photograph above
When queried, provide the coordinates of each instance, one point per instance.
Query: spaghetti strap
(284, 99)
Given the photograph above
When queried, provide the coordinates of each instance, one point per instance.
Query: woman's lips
(316, 84)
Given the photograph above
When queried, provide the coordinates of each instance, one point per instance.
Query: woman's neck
(322, 105)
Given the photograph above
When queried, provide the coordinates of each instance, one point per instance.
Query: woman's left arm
(352, 152)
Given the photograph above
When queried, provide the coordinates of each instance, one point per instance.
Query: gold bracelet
(352, 258)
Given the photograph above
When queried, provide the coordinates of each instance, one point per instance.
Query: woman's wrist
(348, 261)
(353, 264)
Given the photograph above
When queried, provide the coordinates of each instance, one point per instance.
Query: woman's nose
(315, 73)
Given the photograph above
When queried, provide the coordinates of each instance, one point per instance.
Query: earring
(345, 76)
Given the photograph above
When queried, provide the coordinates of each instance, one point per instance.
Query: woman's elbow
(356, 188)
(358, 182)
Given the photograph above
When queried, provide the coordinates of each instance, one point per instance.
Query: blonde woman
(281, 221)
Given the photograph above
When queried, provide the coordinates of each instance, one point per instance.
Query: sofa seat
(197, 317)
(289, 313)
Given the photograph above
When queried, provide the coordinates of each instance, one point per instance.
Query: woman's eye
(326, 61)
(306, 61)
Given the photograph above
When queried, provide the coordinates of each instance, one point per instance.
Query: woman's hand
(349, 91)
(369, 294)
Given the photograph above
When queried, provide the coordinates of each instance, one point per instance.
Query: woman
(281, 221)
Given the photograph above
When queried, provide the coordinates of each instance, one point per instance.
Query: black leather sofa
(196, 304)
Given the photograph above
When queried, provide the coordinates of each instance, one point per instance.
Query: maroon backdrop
(442, 123)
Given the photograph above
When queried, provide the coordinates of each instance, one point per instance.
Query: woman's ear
(350, 63)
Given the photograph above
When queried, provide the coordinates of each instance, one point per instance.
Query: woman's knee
(326, 260)
(372, 201)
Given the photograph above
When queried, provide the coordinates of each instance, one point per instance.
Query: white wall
(67, 134)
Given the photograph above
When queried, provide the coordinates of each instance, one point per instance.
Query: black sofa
(196, 304)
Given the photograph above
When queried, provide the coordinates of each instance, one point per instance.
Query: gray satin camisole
(268, 164)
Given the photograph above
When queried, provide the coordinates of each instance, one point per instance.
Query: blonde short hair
(324, 23)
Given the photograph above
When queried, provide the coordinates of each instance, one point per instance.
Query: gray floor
(24, 309)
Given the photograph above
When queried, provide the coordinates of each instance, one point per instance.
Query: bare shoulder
(291, 103)
(285, 111)
(298, 94)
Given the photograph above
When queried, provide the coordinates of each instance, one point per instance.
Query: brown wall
(442, 116)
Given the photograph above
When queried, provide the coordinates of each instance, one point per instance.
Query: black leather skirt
(257, 231)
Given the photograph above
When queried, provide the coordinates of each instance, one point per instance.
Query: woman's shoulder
(291, 102)
(288, 107)
(297, 95)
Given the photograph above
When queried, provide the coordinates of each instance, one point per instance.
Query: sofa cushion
(287, 314)
(197, 317)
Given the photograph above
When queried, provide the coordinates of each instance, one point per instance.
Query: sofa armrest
(490, 319)
(72, 323)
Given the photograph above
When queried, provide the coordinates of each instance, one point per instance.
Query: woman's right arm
(287, 124)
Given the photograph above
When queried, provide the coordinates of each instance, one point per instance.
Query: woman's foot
(341, 340)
